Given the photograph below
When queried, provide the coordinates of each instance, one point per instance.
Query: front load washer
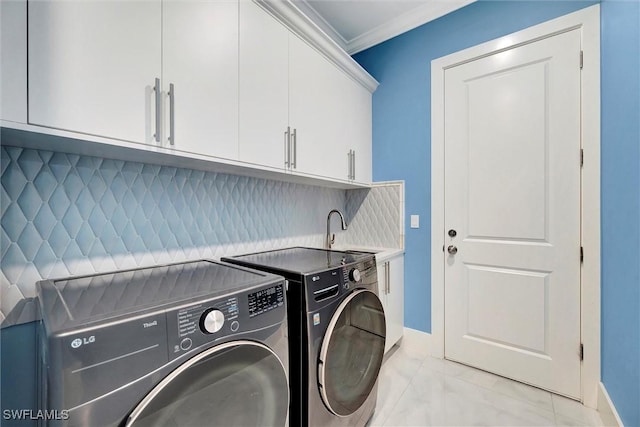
(336, 332)
(200, 343)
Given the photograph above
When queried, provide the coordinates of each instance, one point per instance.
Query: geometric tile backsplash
(376, 216)
(65, 214)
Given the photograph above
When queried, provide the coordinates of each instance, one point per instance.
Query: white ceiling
(359, 24)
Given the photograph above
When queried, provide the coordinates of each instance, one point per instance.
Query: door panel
(200, 58)
(516, 96)
(100, 80)
(264, 86)
(523, 303)
(512, 193)
(316, 110)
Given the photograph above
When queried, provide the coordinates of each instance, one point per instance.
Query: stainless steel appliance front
(336, 332)
(190, 344)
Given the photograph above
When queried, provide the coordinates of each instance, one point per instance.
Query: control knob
(211, 321)
(354, 275)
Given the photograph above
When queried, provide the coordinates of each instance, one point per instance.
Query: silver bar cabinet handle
(349, 168)
(156, 89)
(172, 114)
(353, 168)
(287, 140)
(294, 163)
(388, 278)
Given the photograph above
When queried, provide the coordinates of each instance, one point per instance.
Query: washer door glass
(240, 383)
(351, 353)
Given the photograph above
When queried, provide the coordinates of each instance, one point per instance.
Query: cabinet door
(395, 301)
(316, 111)
(92, 66)
(264, 86)
(200, 58)
(359, 130)
(391, 292)
(13, 61)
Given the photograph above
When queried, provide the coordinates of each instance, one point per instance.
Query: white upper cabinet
(200, 63)
(315, 111)
(352, 129)
(358, 131)
(93, 65)
(331, 116)
(13, 61)
(250, 84)
(299, 110)
(264, 87)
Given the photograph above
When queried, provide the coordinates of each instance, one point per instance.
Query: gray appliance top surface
(300, 260)
(78, 301)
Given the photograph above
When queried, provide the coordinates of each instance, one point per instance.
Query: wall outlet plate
(415, 221)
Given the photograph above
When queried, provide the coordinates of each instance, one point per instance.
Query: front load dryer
(192, 344)
(337, 332)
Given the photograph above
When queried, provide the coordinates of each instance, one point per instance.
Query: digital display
(265, 300)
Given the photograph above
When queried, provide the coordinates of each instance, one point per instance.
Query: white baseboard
(608, 413)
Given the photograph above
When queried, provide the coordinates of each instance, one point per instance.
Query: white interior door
(512, 195)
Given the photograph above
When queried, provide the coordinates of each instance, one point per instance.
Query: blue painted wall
(18, 380)
(401, 150)
(620, 50)
(402, 115)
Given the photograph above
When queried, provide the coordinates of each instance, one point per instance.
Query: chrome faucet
(331, 238)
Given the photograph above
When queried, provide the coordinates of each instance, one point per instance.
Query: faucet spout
(332, 237)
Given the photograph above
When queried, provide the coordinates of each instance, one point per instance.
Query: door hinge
(581, 351)
(581, 254)
(581, 157)
(581, 59)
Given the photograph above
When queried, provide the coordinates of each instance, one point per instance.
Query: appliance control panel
(265, 300)
(192, 325)
(323, 287)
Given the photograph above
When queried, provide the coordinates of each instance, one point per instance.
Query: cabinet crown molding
(301, 25)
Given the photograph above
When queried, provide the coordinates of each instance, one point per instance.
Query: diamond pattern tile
(65, 214)
(375, 216)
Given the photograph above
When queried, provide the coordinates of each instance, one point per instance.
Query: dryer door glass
(235, 384)
(351, 353)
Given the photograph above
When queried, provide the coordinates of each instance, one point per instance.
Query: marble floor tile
(469, 374)
(418, 390)
(398, 370)
(567, 408)
(524, 392)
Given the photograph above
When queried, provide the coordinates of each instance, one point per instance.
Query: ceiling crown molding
(403, 23)
(300, 24)
(319, 20)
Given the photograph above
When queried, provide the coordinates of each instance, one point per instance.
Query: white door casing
(586, 22)
(512, 194)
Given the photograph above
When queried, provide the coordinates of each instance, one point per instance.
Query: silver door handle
(452, 250)
(287, 141)
(156, 89)
(295, 150)
(172, 114)
(349, 165)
